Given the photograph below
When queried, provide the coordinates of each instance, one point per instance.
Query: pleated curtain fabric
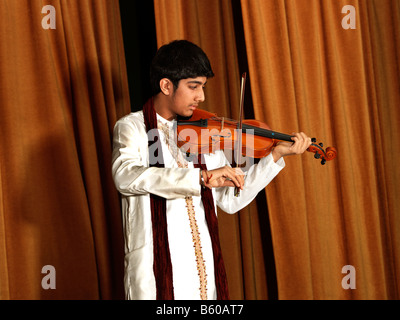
(61, 91)
(311, 73)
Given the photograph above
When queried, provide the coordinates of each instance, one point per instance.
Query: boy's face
(186, 98)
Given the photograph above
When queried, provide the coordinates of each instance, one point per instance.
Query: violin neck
(267, 133)
(257, 131)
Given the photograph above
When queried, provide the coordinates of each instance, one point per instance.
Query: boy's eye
(196, 86)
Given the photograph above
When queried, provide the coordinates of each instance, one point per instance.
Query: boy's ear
(166, 86)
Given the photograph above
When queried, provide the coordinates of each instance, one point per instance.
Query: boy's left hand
(285, 148)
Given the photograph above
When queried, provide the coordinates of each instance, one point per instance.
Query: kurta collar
(165, 121)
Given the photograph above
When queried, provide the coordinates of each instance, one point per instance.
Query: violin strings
(257, 131)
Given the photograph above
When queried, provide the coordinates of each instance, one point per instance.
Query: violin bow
(239, 129)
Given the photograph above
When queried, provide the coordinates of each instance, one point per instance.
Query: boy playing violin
(172, 248)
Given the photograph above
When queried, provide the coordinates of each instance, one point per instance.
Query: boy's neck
(161, 104)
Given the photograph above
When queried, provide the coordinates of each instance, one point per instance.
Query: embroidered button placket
(182, 163)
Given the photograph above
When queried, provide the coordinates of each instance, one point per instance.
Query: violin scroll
(320, 153)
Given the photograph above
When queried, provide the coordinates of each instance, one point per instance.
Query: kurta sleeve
(131, 173)
(256, 179)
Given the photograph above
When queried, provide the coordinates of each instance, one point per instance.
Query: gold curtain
(61, 91)
(341, 85)
(309, 73)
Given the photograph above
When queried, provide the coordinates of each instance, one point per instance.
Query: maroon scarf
(162, 266)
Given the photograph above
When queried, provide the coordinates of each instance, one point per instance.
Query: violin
(206, 133)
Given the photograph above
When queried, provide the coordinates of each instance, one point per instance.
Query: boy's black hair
(177, 60)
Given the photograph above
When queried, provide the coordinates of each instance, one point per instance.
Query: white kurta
(135, 180)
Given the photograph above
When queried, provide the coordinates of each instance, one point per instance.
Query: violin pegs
(317, 155)
(313, 140)
(323, 161)
(321, 144)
